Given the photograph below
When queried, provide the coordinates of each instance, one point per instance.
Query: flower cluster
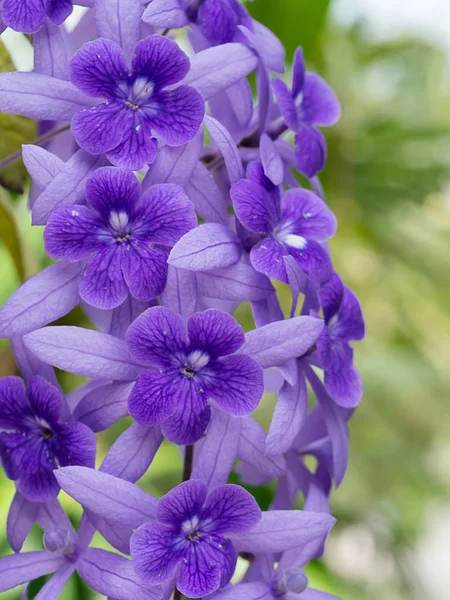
(169, 197)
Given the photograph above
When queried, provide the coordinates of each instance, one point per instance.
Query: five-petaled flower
(123, 235)
(35, 439)
(194, 365)
(310, 103)
(294, 226)
(344, 323)
(190, 537)
(28, 16)
(138, 101)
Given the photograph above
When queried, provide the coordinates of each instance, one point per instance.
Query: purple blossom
(309, 104)
(138, 101)
(35, 439)
(28, 16)
(189, 537)
(294, 226)
(195, 363)
(344, 323)
(122, 234)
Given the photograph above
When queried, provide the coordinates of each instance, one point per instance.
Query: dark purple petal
(176, 115)
(267, 258)
(155, 553)
(209, 563)
(331, 296)
(310, 216)
(217, 21)
(136, 147)
(189, 421)
(286, 103)
(101, 128)
(255, 208)
(76, 445)
(98, 68)
(111, 188)
(161, 60)
(156, 336)
(144, 270)
(14, 405)
(236, 383)
(156, 395)
(164, 215)
(216, 332)
(310, 150)
(320, 105)
(101, 283)
(182, 503)
(313, 260)
(230, 508)
(59, 10)
(45, 399)
(37, 482)
(350, 324)
(72, 233)
(21, 518)
(26, 17)
(344, 385)
(323, 345)
(298, 74)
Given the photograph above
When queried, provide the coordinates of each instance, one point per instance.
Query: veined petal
(267, 258)
(111, 188)
(165, 14)
(98, 68)
(156, 395)
(161, 60)
(72, 233)
(136, 147)
(144, 270)
(286, 103)
(101, 128)
(310, 216)
(120, 21)
(320, 105)
(256, 209)
(26, 17)
(101, 283)
(216, 332)
(313, 259)
(190, 418)
(230, 508)
(22, 568)
(310, 150)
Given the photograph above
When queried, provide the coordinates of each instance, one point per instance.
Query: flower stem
(39, 141)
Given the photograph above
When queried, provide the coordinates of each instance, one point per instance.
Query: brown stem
(177, 595)
(39, 141)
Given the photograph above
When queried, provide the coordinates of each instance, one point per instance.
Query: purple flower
(311, 102)
(344, 323)
(294, 227)
(35, 440)
(189, 537)
(123, 235)
(28, 16)
(194, 365)
(137, 101)
(219, 19)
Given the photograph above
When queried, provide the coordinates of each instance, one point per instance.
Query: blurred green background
(388, 181)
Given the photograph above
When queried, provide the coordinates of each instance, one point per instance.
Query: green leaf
(295, 22)
(14, 131)
(9, 235)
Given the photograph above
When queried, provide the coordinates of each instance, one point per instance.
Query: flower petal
(118, 20)
(102, 284)
(144, 270)
(331, 295)
(311, 217)
(13, 402)
(26, 17)
(217, 21)
(136, 147)
(181, 503)
(188, 423)
(45, 399)
(156, 395)
(164, 214)
(155, 553)
(320, 105)
(310, 150)
(76, 445)
(178, 115)
(59, 10)
(156, 336)
(235, 383)
(111, 188)
(350, 325)
(313, 260)
(230, 508)
(256, 209)
(344, 385)
(216, 332)
(101, 128)
(298, 74)
(267, 258)
(22, 568)
(209, 563)
(72, 233)
(286, 103)
(98, 68)
(161, 60)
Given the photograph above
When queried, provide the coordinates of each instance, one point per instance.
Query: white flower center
(140, 92)
(295, 241)
(119, 221)
(197, 360)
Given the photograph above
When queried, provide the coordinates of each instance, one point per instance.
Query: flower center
(139, 93)
(119, 221)
(190, 528)
(283, 233)
(46, 433)
(194, 362)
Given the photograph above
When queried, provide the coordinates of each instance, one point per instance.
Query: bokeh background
(388, 181)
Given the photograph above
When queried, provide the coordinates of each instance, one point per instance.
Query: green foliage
(14, 131)
(10, 236)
